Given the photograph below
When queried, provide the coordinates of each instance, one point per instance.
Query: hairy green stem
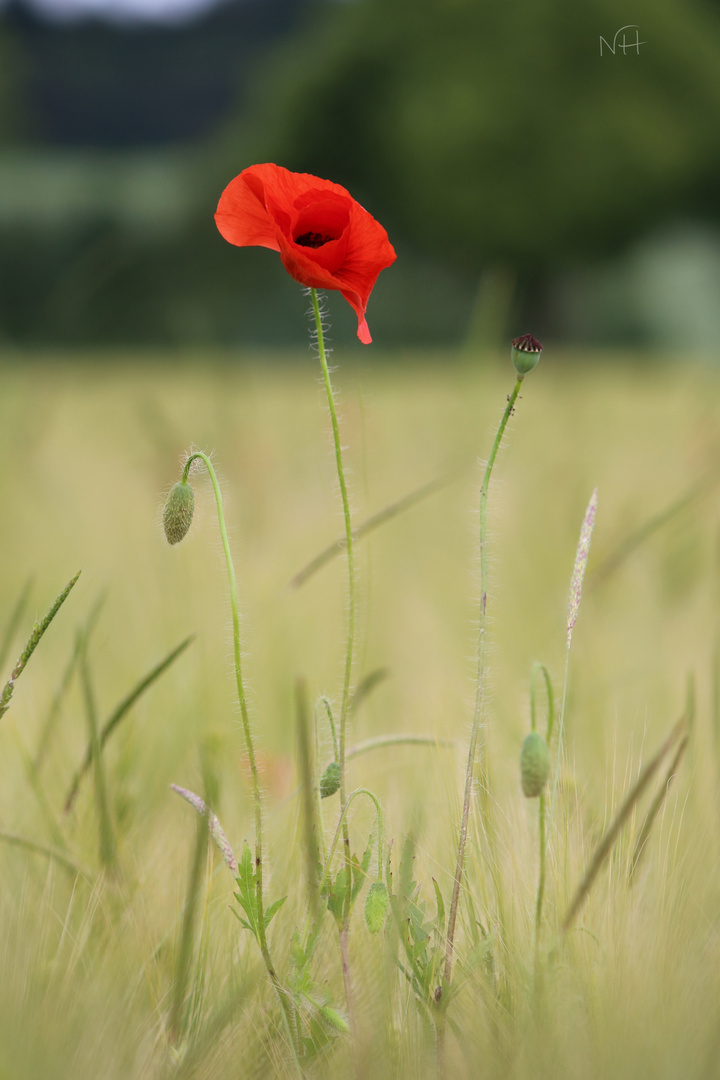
(257, 797)
(479, 696)
(348, 544)
(345, 928)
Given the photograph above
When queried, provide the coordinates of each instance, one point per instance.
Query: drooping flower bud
(526, 352)
(330, 780)
(376, 907)
(178, 512)
(534, 765)
(334, 1018)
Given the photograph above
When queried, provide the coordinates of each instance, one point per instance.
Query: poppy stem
(250, 746)
(345, 928)
(475, 751)
(348, 545)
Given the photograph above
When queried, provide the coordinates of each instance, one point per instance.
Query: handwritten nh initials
(625, 44)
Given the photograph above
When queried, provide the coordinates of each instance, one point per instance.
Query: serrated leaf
(273, 910)
(240, 919)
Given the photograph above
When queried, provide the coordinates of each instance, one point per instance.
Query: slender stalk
(348, 539)
(542, 670)
(250, 746)
(479, 696)
(350, 623)
(541, 878)
(311, 932)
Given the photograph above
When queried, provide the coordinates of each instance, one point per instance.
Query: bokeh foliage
(488, 139)
(499, 131)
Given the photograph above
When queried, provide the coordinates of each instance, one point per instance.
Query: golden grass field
(90, 446)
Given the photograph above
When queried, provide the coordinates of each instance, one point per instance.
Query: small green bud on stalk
(526, 352)
(334, 1019)
(178, 512)
(376, 907)
(534, 765)
(330, 780)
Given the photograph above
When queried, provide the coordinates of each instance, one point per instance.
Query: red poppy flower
(325, 238)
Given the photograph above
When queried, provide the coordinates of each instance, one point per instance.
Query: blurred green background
(535, 168)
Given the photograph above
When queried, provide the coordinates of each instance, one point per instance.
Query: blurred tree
(10, 117)
(498, 132)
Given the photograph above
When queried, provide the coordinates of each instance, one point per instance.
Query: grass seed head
(534, 765)
(178, 512)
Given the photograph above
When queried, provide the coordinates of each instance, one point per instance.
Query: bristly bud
(534, 765)
(178, 512)
(330, 780)
(334, 1019)
(526, 352)
(376, 907)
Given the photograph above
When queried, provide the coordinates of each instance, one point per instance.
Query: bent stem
(257, 798)
(477, 713)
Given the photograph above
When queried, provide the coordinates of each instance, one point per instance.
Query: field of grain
(91, 948)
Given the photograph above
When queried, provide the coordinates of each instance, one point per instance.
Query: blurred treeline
(528, 179)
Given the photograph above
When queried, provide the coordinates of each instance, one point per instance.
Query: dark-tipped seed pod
(376, 907)
(526, 352)
(178, 512)
(330, 780)
(534, 765)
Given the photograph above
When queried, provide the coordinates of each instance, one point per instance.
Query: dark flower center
(313, 239)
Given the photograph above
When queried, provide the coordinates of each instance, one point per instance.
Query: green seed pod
(376, 907)
(526, 352)
(534, 765)
(330, 780)
(178, 512)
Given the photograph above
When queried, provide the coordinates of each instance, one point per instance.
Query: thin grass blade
(637, 538)
(374, 522)
(60, 857)
(608, 841)
(106, 834)
(655, 808)
(119, 713)
(56, 703)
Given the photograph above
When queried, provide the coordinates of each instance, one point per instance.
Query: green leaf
(338, 895)
(247, 884)
(440, 907)
(359, 872)
(273, 910)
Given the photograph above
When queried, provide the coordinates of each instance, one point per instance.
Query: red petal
(241, 215)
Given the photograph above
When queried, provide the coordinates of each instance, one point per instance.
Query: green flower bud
(178, 512)
(376, 907)
(526, 352)
(330, 780)
(534, 765)
(334, 1018)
